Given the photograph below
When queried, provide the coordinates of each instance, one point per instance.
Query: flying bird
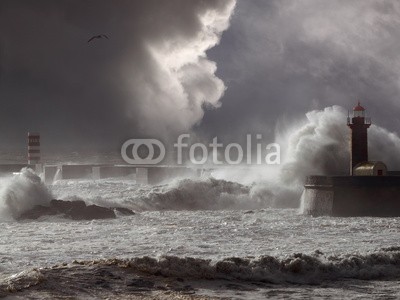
(100, 36)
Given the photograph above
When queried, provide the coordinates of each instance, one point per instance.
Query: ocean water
(212, 235)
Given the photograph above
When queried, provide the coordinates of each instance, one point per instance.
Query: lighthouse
(371, 190)
(359, 125)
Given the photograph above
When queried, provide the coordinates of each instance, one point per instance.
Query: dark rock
(37, 212)
(91, 212)
(62, 205)
(141, 283)
(75, 210)
(124, 211)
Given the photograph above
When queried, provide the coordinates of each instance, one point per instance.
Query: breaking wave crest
(186, 194)
(296, 269)
(209, 194)
(25, 190)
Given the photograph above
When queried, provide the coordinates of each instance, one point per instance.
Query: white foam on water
(21, 192)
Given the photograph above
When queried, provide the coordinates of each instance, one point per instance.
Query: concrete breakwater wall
(141, 174)
(11, 168)
(346, 196)
(153, 174)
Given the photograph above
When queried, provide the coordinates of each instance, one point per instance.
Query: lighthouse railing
(367, 120)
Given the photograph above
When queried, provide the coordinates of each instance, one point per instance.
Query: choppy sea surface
(190, 239)
(312, 252)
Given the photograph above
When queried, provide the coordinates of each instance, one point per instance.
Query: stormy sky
(217, 68)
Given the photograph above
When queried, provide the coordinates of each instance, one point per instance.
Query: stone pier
(345, 196)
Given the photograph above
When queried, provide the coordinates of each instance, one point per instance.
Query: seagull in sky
(100, 36)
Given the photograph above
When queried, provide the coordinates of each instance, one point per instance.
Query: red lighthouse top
(358, 107)
(359, 113)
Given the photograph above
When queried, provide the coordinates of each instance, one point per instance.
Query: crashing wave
(298, 268)
(21, 193)
(186, 194)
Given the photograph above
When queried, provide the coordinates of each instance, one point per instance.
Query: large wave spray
(20, 193)
(317, 145)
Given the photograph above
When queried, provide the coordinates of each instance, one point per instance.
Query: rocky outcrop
(75, 210)
(124, 211)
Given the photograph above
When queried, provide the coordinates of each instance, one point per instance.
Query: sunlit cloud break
(184, 79)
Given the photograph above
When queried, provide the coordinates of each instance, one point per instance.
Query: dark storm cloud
(280, 59)
(151, 77)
